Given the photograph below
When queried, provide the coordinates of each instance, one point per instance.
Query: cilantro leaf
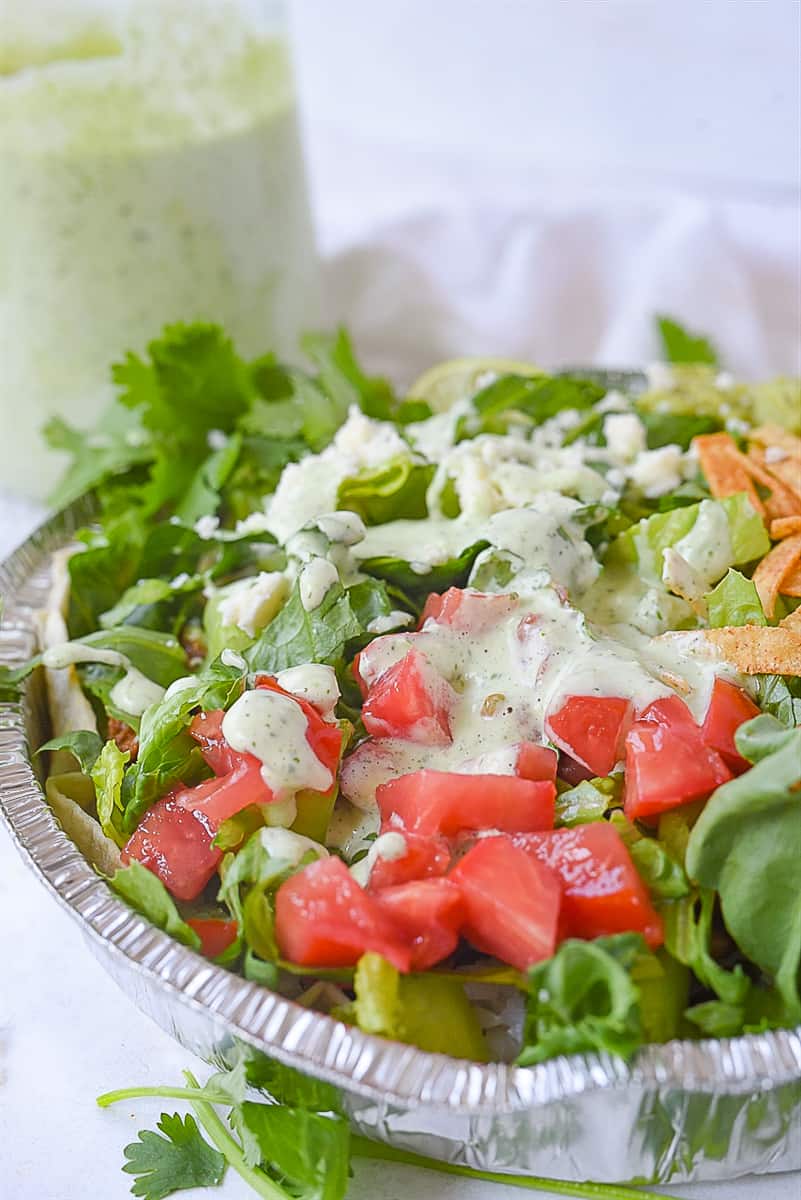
(308, 1150)
(681, 346)
(173, 1160)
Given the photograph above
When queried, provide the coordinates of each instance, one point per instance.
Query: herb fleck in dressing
(273, 728)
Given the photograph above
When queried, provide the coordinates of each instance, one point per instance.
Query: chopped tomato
(466, 610)
(218, 799)
(430, 911)
(240, 781)
(175, 845)
(511, 902)
(444, 802)
(215, 934)
(425, 856)
(536, 762)
(602, 889)
(670, 711)
(592, 730)
(324, 919)
(668, 763)
(412, 701)
(206, 729)
(728, 709)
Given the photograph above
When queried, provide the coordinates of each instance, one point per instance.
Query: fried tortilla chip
(782, 501)
(774, 569)
(791, 584)
(722, 465)
(759, 649)
(793, 621)
(784, 527)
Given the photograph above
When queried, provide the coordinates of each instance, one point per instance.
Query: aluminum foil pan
(683, 1111)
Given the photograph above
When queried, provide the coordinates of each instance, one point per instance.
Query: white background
(533, 177)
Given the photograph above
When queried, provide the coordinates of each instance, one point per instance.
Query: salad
(469, 716)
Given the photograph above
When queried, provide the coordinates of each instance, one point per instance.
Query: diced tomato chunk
(425, 856)
(444, 802)
(218, 799)
(670, 711)
(175, 845)
(536, 762)
(411, 700)
(511, 902)
(430, 912)
(602, 889)
(668, 764)
(215, 934)
(206, 729)
(728, 709)
(239, 780)
(324, 919)
(592, 730)
(466, 610)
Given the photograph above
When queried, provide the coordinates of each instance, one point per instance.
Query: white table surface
(457, 215)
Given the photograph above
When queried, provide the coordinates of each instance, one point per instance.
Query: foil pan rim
(369, 1066)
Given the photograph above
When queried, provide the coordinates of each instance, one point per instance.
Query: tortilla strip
(788, 471)
(782, 502)
(792, 621)
(758, 649)
(791, 584)
(722, 468)
(784, 527)
(773, 570)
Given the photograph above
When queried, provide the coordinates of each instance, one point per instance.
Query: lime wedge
(459, 378)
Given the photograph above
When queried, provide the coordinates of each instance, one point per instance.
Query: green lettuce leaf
(296, 636)
(166, 754)
(747, 845)
(148, 896)
(584, 999)
(688, 932)
(417, 585)
(107, 775)
(84, 744)
(735, 601)
(396, 490)
(645, 542)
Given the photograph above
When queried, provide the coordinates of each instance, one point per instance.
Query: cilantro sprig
(297, 1148)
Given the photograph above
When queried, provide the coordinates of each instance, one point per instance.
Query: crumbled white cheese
(657, 472)
(775, 454)
(216, 439)
(206, 527)
(660, 377)
(625, 435)
(251, 603)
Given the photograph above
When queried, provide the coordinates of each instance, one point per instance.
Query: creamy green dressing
(273, 728)
(132, 694)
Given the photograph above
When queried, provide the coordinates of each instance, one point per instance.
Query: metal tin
(682, 1111)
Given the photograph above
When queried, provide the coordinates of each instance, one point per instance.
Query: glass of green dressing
(150, 171)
